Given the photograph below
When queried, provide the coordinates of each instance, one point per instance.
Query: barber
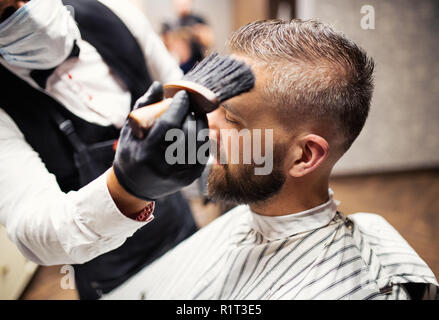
(73, 187)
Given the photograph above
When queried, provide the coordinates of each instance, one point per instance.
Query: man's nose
(213, 119)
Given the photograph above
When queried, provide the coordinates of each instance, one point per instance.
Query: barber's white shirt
(49, 226)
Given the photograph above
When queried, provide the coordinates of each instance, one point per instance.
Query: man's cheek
(232, 146)
(223, 150)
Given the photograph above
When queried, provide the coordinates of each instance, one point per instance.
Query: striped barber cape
(314, 254)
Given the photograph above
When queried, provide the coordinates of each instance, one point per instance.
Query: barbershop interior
(392, 168)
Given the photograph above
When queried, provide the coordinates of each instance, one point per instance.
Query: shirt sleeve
(161, 65)
(49, 226)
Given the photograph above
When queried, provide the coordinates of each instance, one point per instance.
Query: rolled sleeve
(49, 226)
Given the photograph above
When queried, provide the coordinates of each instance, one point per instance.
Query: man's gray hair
(317, 73)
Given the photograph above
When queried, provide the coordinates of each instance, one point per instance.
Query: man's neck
(294, 197)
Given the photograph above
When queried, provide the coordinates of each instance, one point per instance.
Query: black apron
(77, 151)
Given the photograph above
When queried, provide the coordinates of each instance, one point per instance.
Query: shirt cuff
(98, 212)
(146, 214)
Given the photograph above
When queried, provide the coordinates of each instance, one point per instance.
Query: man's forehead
(253, 63)
(251, 100)
(240, 57)
(260, 69)
(243, 105)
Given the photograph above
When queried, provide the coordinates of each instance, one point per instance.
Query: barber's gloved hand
(140, 165)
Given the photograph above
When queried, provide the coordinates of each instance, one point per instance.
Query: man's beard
(243, 186)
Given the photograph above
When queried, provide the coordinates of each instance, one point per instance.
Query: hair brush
(214, 80)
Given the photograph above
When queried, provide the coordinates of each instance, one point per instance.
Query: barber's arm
(140, 172)
(51, 227)
(47, 225)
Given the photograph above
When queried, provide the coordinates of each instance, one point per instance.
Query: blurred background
(392, 168)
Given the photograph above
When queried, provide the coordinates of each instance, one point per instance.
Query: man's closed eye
(229, 120)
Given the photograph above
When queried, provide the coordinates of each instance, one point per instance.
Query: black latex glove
(140, 165)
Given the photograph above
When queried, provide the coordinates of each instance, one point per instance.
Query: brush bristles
(225, 76)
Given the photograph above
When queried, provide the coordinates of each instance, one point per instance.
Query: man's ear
(310, 152)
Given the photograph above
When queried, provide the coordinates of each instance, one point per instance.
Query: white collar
(279, 227)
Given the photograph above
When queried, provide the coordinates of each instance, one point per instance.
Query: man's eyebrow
(227, 106)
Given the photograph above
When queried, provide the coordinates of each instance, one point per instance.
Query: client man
(287, 240)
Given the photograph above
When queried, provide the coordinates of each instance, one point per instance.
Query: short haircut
(317, 73)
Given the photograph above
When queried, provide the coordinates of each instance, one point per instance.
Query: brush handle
(202, 100)
(141, 120)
